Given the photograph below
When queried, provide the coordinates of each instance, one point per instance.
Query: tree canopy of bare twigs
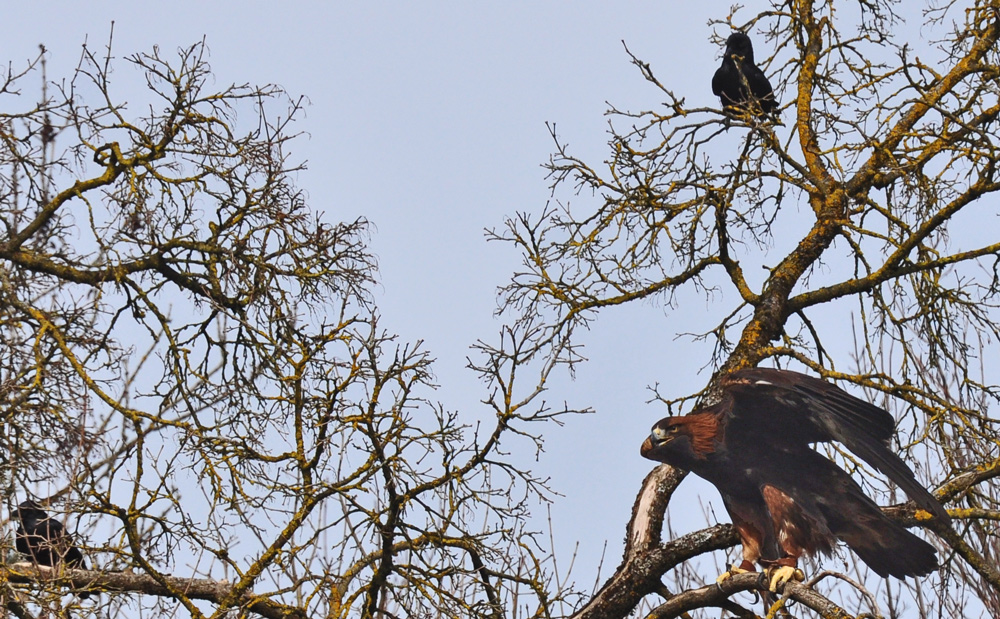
(871, 204)
(195, 379)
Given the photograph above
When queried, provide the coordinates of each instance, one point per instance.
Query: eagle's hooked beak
(656, 438)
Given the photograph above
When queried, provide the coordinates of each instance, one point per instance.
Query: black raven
(44, 541)
(740, 84)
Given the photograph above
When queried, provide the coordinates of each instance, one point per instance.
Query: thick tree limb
(646, 559)
(194, 588)
(718, 594)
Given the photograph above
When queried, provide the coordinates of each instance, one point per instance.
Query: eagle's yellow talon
(781, 575)
(729, 573)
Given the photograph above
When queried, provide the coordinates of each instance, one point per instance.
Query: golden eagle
(785, 499)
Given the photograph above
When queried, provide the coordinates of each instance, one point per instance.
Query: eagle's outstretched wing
(806, 410)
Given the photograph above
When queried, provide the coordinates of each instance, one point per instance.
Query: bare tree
(874, 199)
(195, 379)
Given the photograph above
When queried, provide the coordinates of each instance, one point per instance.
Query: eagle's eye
(662, 434)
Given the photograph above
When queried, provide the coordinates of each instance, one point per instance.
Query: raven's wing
(760, 86)
(794, 407)
(53, 529)
(720, 80)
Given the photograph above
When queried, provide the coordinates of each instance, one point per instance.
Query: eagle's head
(678, 441)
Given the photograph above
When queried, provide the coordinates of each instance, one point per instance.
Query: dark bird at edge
(785, 499)
(740, 84)
(44, 540)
